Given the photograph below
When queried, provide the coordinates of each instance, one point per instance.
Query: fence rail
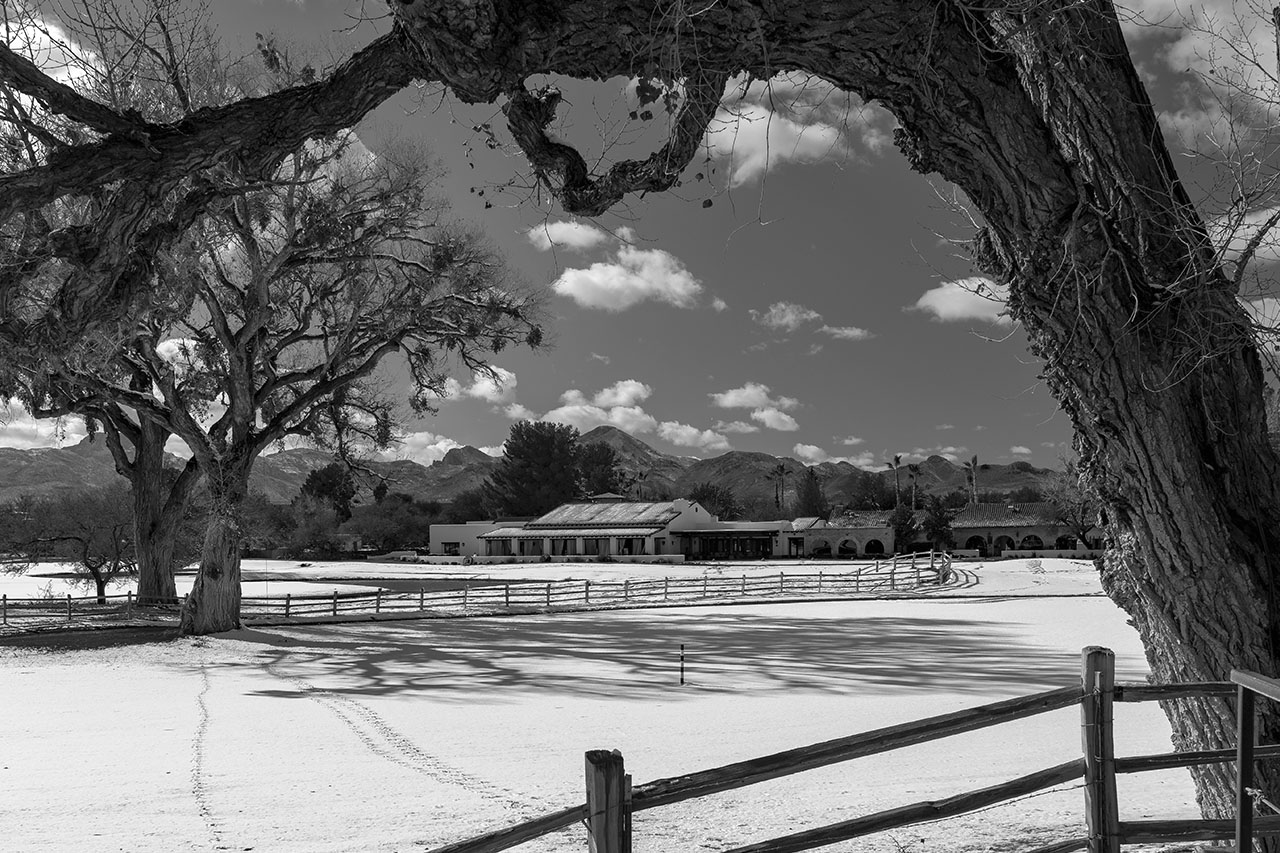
(1098, 768)
(898, 574)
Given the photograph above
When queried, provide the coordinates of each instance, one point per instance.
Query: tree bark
(213, 604)
(154, 529)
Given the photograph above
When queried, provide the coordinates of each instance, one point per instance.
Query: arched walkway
(1065, 543)
(821, 548)
(1031, 542)
(1002, 544)
(976, 543)
(874, 547)
(848, 548)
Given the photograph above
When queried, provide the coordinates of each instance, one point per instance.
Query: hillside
(750, 475)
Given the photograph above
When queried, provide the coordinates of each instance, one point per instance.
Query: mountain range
(750, 475)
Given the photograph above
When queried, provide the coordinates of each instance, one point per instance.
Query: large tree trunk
(214, 602)
(154, 530)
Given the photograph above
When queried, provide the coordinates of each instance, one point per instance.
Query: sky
(803, 293)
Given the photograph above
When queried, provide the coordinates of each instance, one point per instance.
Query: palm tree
(778, 474)
(913, 471)
(971, 474)
(897, 489)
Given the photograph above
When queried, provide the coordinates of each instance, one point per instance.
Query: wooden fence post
(548, 595)
(465, 590)
(1245, 735)
(422, 598)
(506, 594)
(819, 580)
(782, 582)
(666, 586)
(68, 607)
(893, 573)
(335, 602)
(744, 584)
(4, 609)
(1098, 678)
(626, 590)
(128, 601)
(377, 601)
(586, 592)
(608, 803)
(288, 600)
(704, 586)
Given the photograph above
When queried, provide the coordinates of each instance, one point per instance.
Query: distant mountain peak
(465, 455)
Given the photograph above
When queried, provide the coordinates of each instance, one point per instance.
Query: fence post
(548, 595)
(335, 602)
(68, 607)
(288, 600)
(782, 582)
(4, 609)
(1244, 768)
(586, 591)
(932, 557)
(377, 601)
(893, 573)
(744, 584)
(666, 585)
(608, 803)
(1098, 678)
(820, 580)
(422, 598)
(506, 595)
(465, 590)
(704, 586)
(857, 577)
(626, 590)
(128, 601)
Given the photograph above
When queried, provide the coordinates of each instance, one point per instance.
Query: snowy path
(405, 735)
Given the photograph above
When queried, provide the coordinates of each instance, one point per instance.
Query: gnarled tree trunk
(154, 528)
(213, 604)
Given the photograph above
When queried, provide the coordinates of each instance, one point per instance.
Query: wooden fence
(611, 800)
(898, 574)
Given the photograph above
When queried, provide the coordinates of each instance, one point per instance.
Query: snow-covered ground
(405, 735)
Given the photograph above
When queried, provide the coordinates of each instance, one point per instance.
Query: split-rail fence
(901, 573)
(611, 799)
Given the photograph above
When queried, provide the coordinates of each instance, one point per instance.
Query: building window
(451, 549)
(595, 547)
(530, 547)
(564, 547)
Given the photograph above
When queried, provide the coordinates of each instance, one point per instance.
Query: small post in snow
(666, 583)
(4, 609)
(682, 664)
(335, 602)
(506, 594)
(288, 601)
(586, 591)
(68, 607)
(422, 598)
(782, 582)
(377, 601)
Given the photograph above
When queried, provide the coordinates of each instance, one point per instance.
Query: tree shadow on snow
(636, 654)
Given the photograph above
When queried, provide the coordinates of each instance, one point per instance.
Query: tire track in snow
(384, 741)
(199, 782)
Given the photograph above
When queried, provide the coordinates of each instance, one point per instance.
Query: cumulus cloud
(624, 392)
(846, 333)
(632, 276)
(718, 305)
(498, 388)
(576, 236)
(812, 454)
(775, 419)
(616, 405)
(519, 412)
(850, 440)
(23, 432)
(951, 453)
(603, 359)
(945, 426)
(735, 427)
(424, 447)
(784, 316)
(974, 298)
(791, 118)
(683, 435)
(1019, 450)
(766, 410)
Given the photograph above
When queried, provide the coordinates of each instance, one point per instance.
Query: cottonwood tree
(1032, 108)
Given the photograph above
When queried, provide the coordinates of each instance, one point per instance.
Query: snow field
(403, 736)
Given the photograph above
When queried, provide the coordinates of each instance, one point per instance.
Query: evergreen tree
(810, 501)
(599, 469)
(332, 485)
(539, 469)
(720, 501)
(936, 524)
(903, 524)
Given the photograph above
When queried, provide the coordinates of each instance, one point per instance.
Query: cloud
(775, 419)
(765, 409)
(791, 118)
(616, 405)
(850, 440)
(752, 395)
(683, 435)
(811, 454)
(604, 359)
(498, 388)
(735, 427)
(718, 305)
(19, 430)
(634, 275)
(496, 450)
(424, 447)
(974, 298)
(519, 412)
(624, 392)
(846, 333)
(784, 316)
(575, 236)
(945, 426)
(1019, 450)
